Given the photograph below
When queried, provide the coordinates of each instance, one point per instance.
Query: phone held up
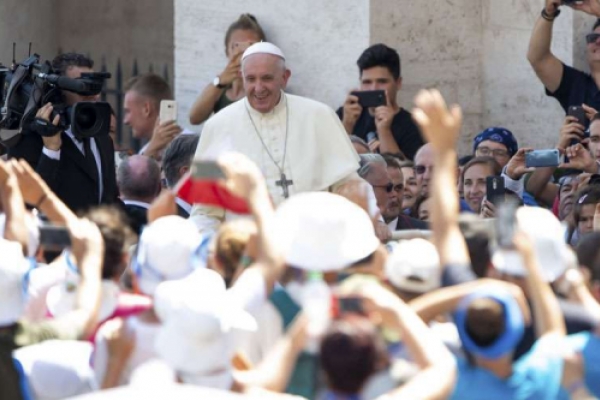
(168, 111)
(495, 190)
(371, 98)
(542, 158)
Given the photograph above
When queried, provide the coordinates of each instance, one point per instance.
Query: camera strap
(45, 128)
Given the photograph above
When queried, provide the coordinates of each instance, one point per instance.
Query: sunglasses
(390, 186)
(420, 169)
(592, 37)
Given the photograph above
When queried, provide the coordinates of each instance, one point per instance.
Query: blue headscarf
(514, 324)
(498, 135)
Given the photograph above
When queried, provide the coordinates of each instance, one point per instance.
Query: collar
(184, 204)
(279, 108)
(136, 203)
(393, 224)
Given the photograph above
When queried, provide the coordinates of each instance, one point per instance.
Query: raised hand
(580, 158)
(571, 130)
(33, 187)
(352, 111)
(516, 167)
(591, 7)
(439, 125)
(243, 177)
(232, 70)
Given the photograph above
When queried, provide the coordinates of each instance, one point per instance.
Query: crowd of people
(371, 261)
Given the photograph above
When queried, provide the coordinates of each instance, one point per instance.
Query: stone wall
(321, 40)
(474, 51)
(24, 21)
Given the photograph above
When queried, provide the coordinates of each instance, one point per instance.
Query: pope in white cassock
(299, 144)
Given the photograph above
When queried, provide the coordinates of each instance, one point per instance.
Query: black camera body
(29, 85)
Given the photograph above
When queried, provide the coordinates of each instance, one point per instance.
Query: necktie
(91, 160)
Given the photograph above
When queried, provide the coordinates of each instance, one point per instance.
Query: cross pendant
(284, 183)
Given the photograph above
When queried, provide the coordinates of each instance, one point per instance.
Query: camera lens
(86, 118)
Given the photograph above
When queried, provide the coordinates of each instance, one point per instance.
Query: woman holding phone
(227, 87)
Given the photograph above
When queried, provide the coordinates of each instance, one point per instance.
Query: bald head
(138, 178)
(424, 168)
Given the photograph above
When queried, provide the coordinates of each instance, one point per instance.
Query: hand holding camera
(572, 131)
(352, 111)
(44, 114)
(232, 70)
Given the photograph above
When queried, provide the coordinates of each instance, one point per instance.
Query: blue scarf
(498, 135)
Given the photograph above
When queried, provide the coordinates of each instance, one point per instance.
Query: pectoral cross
(284, 183)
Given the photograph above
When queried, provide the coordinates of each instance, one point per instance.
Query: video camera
(28, 85)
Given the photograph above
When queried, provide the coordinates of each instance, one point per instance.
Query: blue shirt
(588, 345)
(536, 376)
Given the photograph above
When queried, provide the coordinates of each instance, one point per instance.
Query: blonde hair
(230, 244)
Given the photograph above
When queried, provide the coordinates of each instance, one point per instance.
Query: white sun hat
(414, 266)
(263, 48)
(322, 231)
(169, 248)
(548, 236)
(57, 369)
(198, 314)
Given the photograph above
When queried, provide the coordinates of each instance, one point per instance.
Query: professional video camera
(28, 85)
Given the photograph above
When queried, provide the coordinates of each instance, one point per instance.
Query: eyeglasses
(420, 169)
(486, 151)
(592, 37)
(390, 186)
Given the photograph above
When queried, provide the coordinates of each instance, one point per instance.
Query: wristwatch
(217, 83)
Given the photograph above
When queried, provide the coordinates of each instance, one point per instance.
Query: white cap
(57, 369)
(414, 266)
(168, 249)
(197, 315)
(548, 236)
(322, 231)
(263, 48)
(13, 270)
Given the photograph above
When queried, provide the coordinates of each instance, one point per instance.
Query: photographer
(571, 87)
(79, 170)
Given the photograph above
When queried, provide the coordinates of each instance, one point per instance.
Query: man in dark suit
(81, 171)
(176, 162)
(138, 178)
(388, 191)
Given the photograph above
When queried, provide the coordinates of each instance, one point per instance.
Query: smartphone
(579, 113)
(371, 98)
(54, 237)
(495, 191)
(206, 171)
(351, 305)
(506, 219)
(168, 111)
(242, 46)
(371, 136)
(542, 158)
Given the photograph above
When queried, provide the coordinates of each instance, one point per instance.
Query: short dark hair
(407, 164)
(351, 352)
(246, 22)
(117, 236)
(151, 86)
(588, 254)
(63, 62)
(596, 116)
(477, 238)
(178, 154)
(139, 184)
(380, 55)
(485, 321)
(414, 211)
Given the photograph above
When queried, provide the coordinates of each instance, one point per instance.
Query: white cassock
(319, 152)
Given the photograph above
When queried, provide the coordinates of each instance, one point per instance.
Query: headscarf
(498, 135)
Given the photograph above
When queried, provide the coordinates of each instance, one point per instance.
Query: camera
(28, 85)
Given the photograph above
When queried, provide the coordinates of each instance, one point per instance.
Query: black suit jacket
(138, 217)
(407, 223)
(70, 177)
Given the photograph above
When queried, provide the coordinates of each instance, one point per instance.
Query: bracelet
(41, 201)
(549, 17)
